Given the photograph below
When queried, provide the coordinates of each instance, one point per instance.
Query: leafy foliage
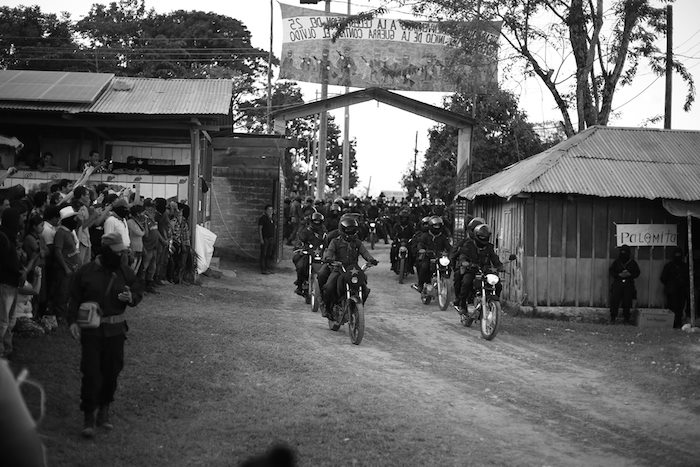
(501, 137)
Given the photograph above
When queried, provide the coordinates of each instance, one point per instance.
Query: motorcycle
(402, 259)
(439, 285)
(309, 288)
(487, 305)
(372, 235)
(350, 308)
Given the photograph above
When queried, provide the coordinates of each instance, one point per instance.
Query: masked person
(315, 235)
(347, 248)
(111, 283)
(403, 231)
(675, 279)
(624, 271)
(465, 252)
(429, 245)
(117, 221)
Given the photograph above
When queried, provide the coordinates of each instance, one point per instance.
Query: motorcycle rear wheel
(490, 317)
(443, 294)
(356, 322)
(315, 294)
(402, 270)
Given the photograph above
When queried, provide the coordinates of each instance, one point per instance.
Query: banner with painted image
(387, 53)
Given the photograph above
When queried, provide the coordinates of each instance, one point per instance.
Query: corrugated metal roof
(606, 162)
(147, 96)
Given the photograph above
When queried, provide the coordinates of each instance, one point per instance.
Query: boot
(88, 431)
(103, 418)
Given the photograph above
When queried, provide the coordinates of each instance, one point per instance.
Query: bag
(89, 313)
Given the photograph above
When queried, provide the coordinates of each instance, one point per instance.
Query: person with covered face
(624, 270)
(675, 279)
(66, 260)
(116, 222)
(113, 285)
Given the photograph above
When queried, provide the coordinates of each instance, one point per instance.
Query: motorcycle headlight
(372, 224)
(492, 279)
(354, 280)
(444, 261)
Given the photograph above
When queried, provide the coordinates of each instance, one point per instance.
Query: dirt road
(217, 373)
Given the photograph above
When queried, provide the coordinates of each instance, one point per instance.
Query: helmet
(340, 202)
(404, 217)
(309, 199)
(318, 202)
(439, 202)
(435, 224)
(425, 223)
(335, 208)
(317, 219)
(349, 227)
(373, 202)
(425, 202)
(473, 224)
(482, 234)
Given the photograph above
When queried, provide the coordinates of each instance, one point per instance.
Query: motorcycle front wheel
(372, 240)
(356, 322)
(315, 294)
(402, 270)
(490, 316)
(443, 294)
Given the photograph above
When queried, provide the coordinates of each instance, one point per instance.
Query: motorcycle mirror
(512, 257)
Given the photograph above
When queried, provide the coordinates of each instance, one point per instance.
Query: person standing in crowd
(36, 251)
(161, 218)
(81, 195)
(676, 280)
(110, 283)
(67, 260)
(117, 221)
(11, 276)
(137, 230)
(152, 241)
(266, 232)
(624, 271)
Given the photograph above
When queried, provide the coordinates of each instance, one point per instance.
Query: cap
(114, 241)
(67, 212)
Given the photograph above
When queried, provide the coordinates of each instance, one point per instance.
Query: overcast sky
(386, 136)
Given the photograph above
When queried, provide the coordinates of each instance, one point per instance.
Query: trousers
(102, 359)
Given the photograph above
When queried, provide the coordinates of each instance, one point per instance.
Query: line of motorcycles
(350, 308)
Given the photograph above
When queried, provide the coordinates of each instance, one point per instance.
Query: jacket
(90, 284)
(347, 252)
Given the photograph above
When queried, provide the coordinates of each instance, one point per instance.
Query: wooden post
(669, 66)
(691, 270)
(323, 131)
(345, 181)
(193, 195)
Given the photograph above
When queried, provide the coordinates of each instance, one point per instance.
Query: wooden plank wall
(569, 244)
(506, 220)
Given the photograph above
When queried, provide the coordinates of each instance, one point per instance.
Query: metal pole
(669, 66)
(345, 187)
(269, 77)
(323, 131)
(691, 271)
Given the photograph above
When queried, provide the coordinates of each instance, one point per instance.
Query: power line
(638, 94)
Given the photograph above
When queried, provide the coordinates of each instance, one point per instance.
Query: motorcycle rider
(403, 230)
(314, 234)
(333, 217)
(464, 252)
(346, 248)
(429, 245)
(480, 254)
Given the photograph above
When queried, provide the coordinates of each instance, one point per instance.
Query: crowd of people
(48, 234)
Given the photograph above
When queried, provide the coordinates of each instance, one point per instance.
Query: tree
(607, 46)
(32, 40)
(132, 41)
(501, 137)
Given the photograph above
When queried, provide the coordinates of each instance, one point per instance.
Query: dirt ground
(217, 373)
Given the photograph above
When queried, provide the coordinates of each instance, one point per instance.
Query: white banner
(647, 234)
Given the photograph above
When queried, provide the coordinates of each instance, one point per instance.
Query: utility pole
(669, 66)
(323, 131)
(345, 183)
(269, 76)
(415, 157)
